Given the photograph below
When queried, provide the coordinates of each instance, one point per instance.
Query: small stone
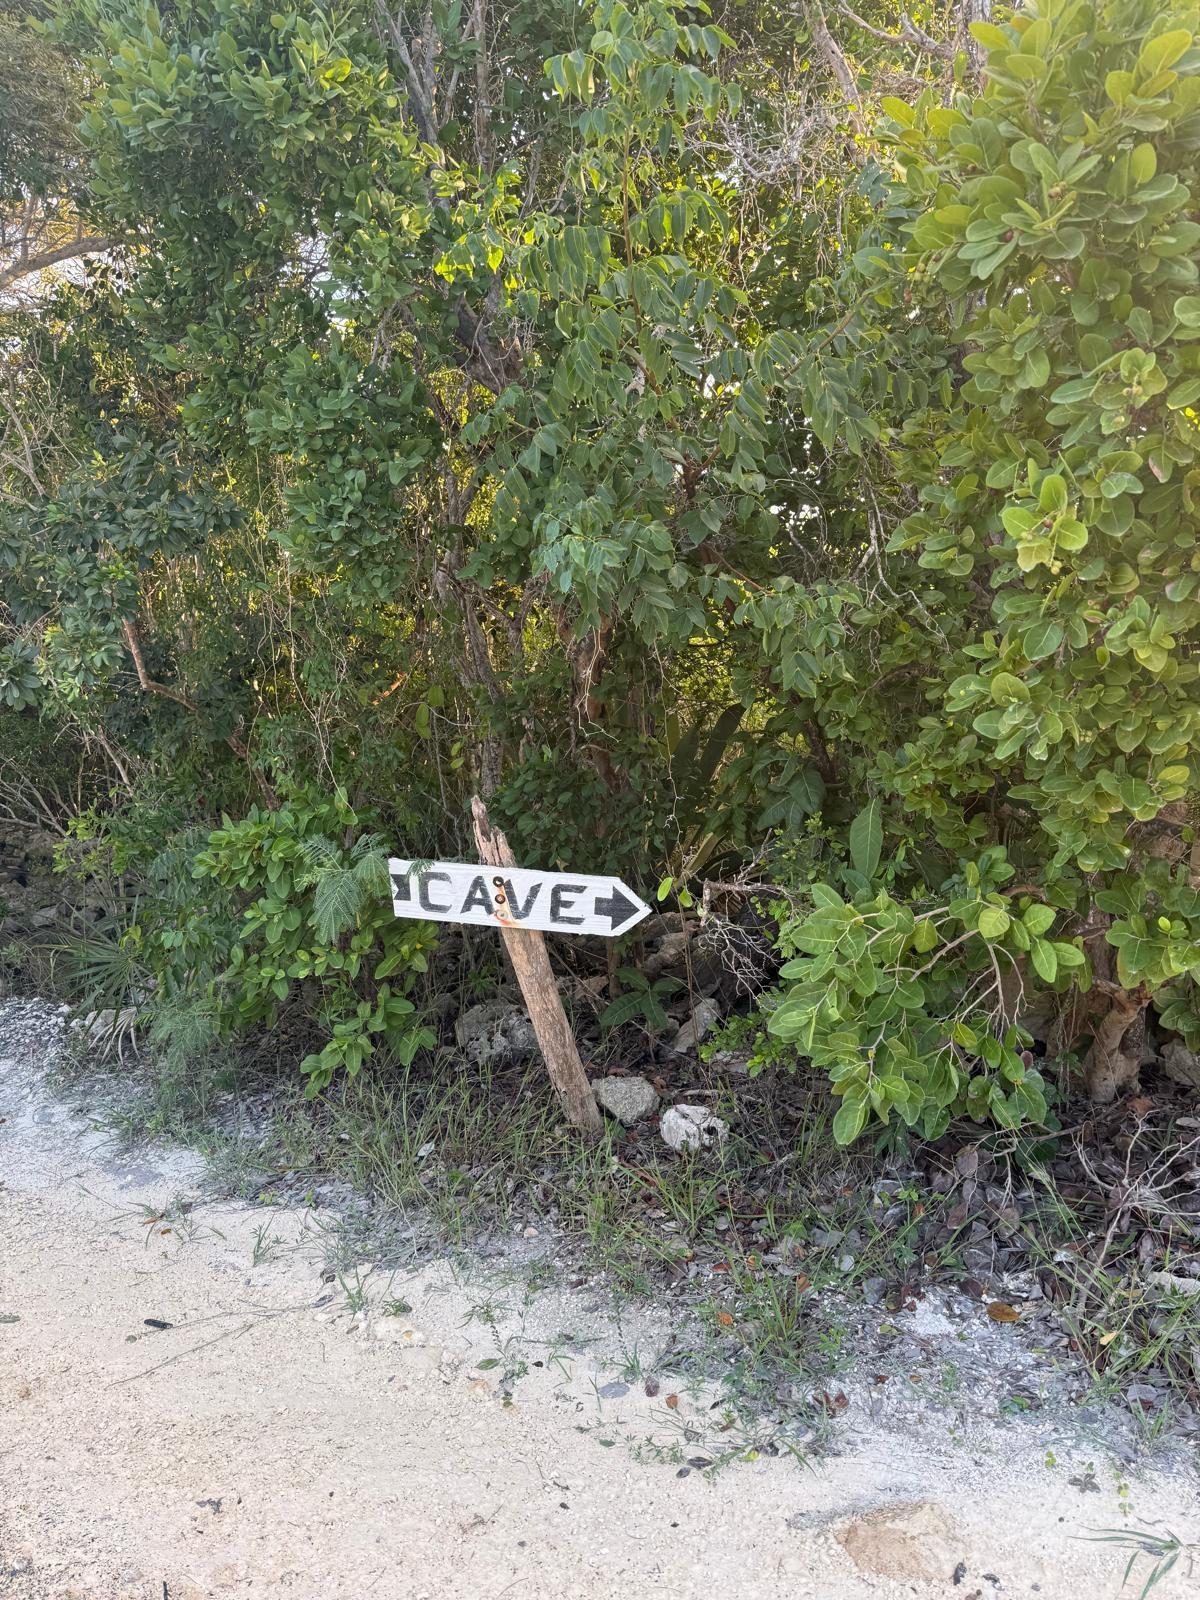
(629, 1099)
(692, 1128)
(401, 1333)
(495, 1033)
(1173, 1281)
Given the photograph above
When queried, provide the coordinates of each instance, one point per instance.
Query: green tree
(1032, 716)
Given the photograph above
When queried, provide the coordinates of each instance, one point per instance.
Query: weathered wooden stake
(527, 952)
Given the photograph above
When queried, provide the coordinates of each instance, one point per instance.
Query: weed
(266, 1246)
(354, 1291)
(1161, 1550)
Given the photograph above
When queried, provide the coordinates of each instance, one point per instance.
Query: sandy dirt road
(271, 1443)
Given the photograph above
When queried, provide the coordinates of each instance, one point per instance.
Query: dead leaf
(1141, 1107)
(725, 1319)
(831, 1404)
(966, 1162)
(999, 1311)
(673, 1402)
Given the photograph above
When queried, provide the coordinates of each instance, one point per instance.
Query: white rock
(1173, 1280)
(692, 1128)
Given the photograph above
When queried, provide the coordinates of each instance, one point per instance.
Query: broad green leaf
(866, 838)
(993, 922)
(849, 1120)
(1044, 960)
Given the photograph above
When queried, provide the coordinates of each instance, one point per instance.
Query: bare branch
(26, 264)
(909, 34)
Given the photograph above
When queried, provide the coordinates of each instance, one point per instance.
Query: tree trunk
(1112, 1064)
(1114, 1060)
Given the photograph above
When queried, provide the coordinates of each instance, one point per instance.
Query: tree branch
(26, 265)
(909, 34)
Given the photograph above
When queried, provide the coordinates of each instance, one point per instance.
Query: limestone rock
(692, 1128)
(630, 1100)
(495, 1033)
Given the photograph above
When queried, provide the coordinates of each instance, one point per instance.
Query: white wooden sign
(514, 897)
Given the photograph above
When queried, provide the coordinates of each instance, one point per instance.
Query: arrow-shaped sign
(516, 897)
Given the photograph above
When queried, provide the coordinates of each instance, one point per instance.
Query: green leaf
(1038, 918)
(1069, 955)
(1160, 53)
(1044, 960)
(993, 922)
(866, 838)
(990, 36)
(849, 1120)
(1043, 639)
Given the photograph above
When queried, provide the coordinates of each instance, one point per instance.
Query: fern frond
(371, 870)
(319, 856)
(336, 902)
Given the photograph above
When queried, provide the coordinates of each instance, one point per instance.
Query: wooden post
(527, 952)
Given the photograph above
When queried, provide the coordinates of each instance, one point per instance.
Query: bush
(1031, 641)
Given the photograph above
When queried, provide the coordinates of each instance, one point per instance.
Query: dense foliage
(721, 440)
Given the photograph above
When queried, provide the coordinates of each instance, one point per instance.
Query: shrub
(1025, 700)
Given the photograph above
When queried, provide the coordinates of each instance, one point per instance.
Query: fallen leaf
(831, 1404)
(725, 1319)
(1141, 1106)
(966, 1162)
(673, 1402)
(999, 1311)
(1109, 1337)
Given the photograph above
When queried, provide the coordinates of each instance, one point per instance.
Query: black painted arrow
(616, 906)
